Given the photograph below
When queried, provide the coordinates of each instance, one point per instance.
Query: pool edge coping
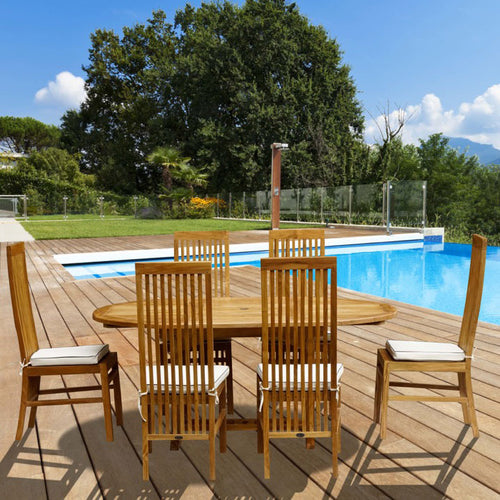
(159, 253)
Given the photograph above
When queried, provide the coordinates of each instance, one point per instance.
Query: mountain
(487, 154)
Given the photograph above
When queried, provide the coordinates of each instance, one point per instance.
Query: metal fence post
(298, 204)
(424, 203)
(65, 199)
(101, 200)
(25, 207)
(321, 204)
(388, 191)
(350, 204)
(243, 204)
(384, 194)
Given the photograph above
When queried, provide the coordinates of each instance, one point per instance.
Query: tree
(259, 74)
(176, 169)
(126, 113)
(392, 158)
(451, 190)
(25, 135)
(56, 164)
(169, 160)
(221, 85)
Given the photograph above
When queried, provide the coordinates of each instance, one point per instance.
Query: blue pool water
(428, 275)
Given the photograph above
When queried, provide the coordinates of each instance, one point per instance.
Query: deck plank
(428, 452)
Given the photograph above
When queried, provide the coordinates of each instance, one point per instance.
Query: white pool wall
(162, 253)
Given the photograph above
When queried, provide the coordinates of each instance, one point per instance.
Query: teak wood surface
(428, 452)
(242, 316)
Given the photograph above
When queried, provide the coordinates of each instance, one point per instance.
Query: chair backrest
(299, 324)
(474, 294)
(21, 301)
(174, 313)
(210, 246)
(296, 243)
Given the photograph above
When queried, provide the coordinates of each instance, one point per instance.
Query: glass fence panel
(263, 201)
(289, 204)
(12, 205)
(357, 204)
(309, 204)
(336, 204)
(407, 203)
(367, 204)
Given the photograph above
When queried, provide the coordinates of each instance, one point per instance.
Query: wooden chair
(76, 360)
(298, 380)
(407, 356)
(211, 246)
(296, 243)
(178, 399)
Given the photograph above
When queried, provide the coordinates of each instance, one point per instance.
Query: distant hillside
(487, 154)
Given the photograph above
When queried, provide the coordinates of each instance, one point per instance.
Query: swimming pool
(424, 274)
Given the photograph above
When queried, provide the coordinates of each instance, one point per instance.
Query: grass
(50, 227)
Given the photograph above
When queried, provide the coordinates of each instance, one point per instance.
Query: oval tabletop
(241, 316)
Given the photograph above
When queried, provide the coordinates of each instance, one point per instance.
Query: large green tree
(221, 85)
(260, 74)
(25, 135)
(126, 111)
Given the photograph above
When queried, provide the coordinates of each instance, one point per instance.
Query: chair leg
(22, 406)
(470, 399)
(463, 393)
(145, 450)
(34, 390)
(335, 443)
(150, 430)
(260, 446)
(211, 439)
(265, 444)
(384, 400)
(339, 427)
(230, 396)
(378, 389)
(118, 397)
(223, 427)
(106, 402)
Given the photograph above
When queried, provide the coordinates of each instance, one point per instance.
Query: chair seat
(403, 350)
(75, 355)
(221, 372)
(340, 371)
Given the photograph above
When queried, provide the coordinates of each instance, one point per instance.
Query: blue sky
(438, 60)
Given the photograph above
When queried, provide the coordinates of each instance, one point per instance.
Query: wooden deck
(429, 452)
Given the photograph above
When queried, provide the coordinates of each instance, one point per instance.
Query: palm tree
(168, 158)
(177, 168)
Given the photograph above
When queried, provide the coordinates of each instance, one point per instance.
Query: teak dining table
(242, 317)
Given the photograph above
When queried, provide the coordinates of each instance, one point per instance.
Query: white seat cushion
(76, 355)
(403, 350)
(340, 371)
(221, 372)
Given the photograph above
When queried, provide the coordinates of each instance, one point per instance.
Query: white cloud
(67, 91)
(478, 120)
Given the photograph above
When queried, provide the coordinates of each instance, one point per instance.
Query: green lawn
(48, 228)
